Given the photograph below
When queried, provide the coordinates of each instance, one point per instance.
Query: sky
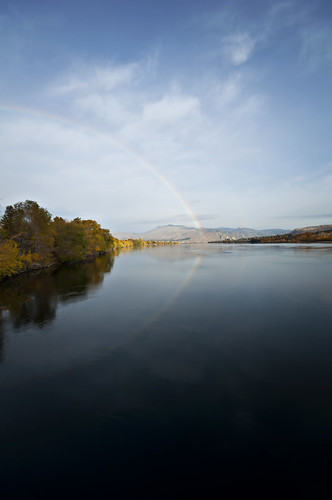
(144, 113)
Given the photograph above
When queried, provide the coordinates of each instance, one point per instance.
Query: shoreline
(37, 267)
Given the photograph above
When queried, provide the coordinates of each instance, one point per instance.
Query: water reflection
(2, 337)
(226, 389)
(26, 300)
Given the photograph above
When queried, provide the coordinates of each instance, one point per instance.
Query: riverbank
(30, 239)
(118, 246)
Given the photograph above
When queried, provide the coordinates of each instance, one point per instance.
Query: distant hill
(312, 229)
(309, 234)
(186, 234)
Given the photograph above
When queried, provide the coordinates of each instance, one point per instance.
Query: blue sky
(145, 113)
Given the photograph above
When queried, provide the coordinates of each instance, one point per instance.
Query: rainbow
(105, 137)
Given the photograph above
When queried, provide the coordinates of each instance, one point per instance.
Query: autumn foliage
(31, 239)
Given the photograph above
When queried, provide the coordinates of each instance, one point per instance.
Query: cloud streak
(102, 78)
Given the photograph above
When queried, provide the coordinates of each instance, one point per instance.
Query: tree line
(31, 239)
(305, 237)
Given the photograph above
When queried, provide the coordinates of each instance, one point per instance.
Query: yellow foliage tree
(11, 261)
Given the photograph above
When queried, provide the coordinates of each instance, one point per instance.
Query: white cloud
(107, 107)
(66, 166)
(170, 109)
(75, 173)
(174, 133)
(241, 38)
(102, 78)
(225, 92)
(208, 140)
(238, 48)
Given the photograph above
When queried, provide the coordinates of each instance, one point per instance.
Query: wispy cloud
(102, 78)
(170, 109)
(288, 14)
(314, 35)
(226, 92)
(304, 216)
(281, 7)
(241, 39)
(316, 48)
(238, 48)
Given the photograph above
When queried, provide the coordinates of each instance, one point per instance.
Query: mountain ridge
(189, 234)
(181, 233)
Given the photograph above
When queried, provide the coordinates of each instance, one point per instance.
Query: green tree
(70, 241)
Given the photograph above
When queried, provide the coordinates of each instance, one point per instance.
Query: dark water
(170, 373)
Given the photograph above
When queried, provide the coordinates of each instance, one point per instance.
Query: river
(170, 372)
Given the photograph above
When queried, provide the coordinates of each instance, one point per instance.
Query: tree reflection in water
(2, 337)
(34, 297)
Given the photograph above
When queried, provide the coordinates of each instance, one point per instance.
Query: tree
(99, 240)
(11, 261)
(70, 242)
(29, 225)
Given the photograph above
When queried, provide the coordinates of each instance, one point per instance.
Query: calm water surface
(169, 372)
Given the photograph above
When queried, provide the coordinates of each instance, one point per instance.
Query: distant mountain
(186, 234)
(126, 236)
